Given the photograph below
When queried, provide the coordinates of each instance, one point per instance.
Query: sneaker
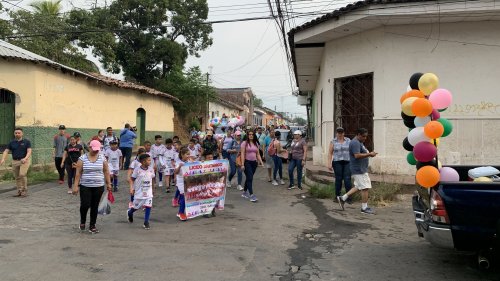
(93, 229)
(253, 198)
(300, 187)
(213, 213)
(368, 211)
(175, 202)
(130, 217)
(245, 195)
(146, 226)
(291, 187)
(228, 185)
(115, 189)
(70, 191)
(182, 217)
(341, 202)
(282, 182)
(82, 227)
(269, 180)
(240, 188)
(160, 184)
(275, 182)
(168, 189)
(61, 181)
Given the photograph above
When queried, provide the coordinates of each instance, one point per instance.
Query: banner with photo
(205, 186)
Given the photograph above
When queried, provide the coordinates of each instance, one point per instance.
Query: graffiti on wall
(482, 108)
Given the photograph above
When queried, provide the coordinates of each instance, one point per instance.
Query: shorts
(114, 172)
(142, 203)
(168, 171)
(362, 181)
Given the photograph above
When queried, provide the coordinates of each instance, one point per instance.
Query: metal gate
(353, 105)
(7, 117)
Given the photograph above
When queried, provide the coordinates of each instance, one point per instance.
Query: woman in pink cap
(92, 173)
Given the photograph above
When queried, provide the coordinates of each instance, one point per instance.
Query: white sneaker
(240, 187)
(228, 184)
(160, 184)
(275, 182)
(70, 191)
(282, 182)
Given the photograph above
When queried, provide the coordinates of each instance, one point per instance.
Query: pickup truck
(463, 215)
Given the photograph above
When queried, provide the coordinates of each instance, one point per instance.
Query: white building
(219, 107)
(355, 63)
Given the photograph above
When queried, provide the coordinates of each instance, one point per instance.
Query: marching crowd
(91, 167)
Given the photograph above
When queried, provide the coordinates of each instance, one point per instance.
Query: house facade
(240, 96)
(38, 95)
(219, 107)
(353, 64)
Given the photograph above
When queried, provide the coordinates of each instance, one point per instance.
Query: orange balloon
(412, 93)
(421, 107)
(403, 97)
(434, 129)
(428, 176)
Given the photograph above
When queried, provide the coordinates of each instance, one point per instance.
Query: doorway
(7, 117)
(141, 125)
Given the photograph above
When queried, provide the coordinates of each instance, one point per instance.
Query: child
(114, 157)
(184, 158)
(157, 151)
(131, 168)
(141, 188)
(175, 139)
(208, 156)
(168, 163)
(194, 150)
(147, 147)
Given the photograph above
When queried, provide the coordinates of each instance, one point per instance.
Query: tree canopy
(258, 102)
(300, 121)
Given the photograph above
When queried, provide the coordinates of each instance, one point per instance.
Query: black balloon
(407, 117)
(423, 164)
(414, 80)
(407, 146)
(409, 123)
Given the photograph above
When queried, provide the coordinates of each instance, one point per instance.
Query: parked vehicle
(462, 215)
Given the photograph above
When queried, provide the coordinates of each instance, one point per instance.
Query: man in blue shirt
(359, 169)
(127, 139)
(21, 153)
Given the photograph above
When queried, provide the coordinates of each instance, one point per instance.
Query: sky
(248, 53)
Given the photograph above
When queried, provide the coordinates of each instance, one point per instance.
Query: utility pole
(207, 115)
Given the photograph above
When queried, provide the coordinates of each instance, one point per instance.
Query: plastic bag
(104, 206)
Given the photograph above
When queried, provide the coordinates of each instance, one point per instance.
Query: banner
(205, 186)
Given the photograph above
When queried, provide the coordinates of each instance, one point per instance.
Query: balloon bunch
(420, 109)
(215, 122)
(225, 122)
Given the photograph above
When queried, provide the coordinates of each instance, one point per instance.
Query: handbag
(239, 160)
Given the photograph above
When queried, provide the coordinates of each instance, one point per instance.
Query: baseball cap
(95, 145)
(62, 127)
(77, 135)
(298, 132)
(238, 133)
(340, 130)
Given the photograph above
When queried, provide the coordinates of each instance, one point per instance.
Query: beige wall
(220, 108)
(48, 97)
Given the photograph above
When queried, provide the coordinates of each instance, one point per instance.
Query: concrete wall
(466, 59)
(46, 97)
(219, 109)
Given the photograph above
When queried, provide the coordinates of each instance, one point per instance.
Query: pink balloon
(435, 114)
(448, 174)
(440, 98)
(424, 151)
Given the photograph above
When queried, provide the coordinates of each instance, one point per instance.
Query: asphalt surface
(282, 237)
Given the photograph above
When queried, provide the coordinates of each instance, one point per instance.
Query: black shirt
(19, 149)
(74, 152)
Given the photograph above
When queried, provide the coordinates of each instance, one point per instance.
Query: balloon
(408, 88)
(407, 146)
(417, 135)
(403, 97)
(414, 80)
(435, 114)
(411, 93)
(421, 121)
(435, 142)
(411, 159)
(448, 127)
(440, 98)
(424, 151)
(448, 174)
(483, 179)
(421, 107)
(428, 176)
(406, 107)
(441, 110)
(423, 164)
(409, 123)
(406, 117)
(428, 83)
(434, 129)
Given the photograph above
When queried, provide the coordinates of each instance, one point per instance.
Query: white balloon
(408, 88)
(422, 121)
(417, 135)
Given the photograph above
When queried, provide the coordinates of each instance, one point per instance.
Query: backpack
(271, 150)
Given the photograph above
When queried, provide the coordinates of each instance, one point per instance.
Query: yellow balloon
(440, 165)
(483, 179)
(438, 140)
(428, 83)
(406, 106)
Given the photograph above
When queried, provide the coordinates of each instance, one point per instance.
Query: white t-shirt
(169, 155)
(195, 153)
(157, 150)
(134, 164)
(143, 182)
(113, 157)
(179, 177)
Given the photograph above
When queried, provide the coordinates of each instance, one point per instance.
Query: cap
(210, 133)
(95, 145)
(77, 135)
(238, 133)
(62, 127)
(298, 132)
(340, 130)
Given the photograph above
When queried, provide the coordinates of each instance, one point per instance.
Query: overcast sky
(246, 54)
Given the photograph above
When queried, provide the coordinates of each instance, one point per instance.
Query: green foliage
(300, 121)
(258, 102)
(195, 124)
(44, 174)
(7, 176)
(47, 7)
(322, 192)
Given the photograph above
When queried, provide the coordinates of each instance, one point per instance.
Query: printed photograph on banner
(205, 187)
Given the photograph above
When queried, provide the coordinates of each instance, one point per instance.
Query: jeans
(278, 166)
(182, 204)
(342, 173)
(291, 166)
(58, 161)
(127, 154)
(71, 174)
(250, 168)
(90, 198)
(234, 170)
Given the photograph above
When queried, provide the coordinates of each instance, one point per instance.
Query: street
(282, 237)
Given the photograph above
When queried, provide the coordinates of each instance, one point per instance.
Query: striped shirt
(92, 174)
(341, 150)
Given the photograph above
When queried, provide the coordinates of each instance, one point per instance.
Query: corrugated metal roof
(9, 51)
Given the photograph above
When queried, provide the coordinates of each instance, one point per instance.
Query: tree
(47, 7)
(146, 39)
(300, 121)
(257, 102)
(5, 29)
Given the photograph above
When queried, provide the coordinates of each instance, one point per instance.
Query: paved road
(282, 237)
